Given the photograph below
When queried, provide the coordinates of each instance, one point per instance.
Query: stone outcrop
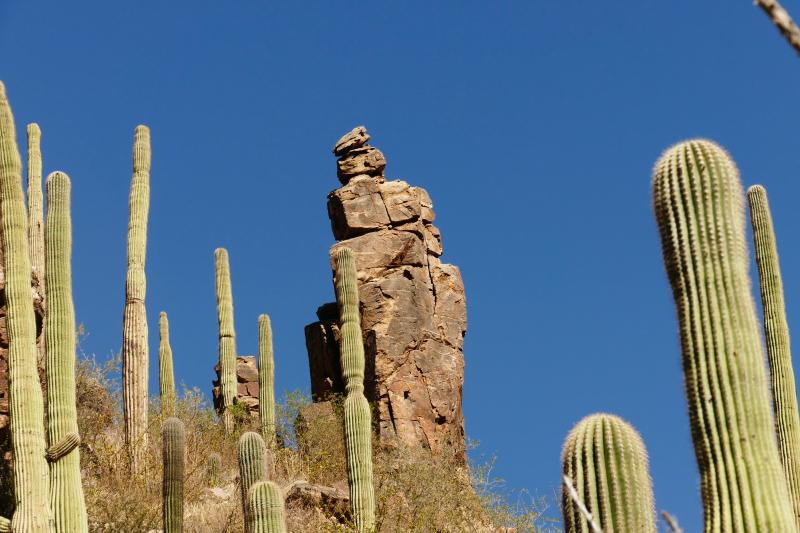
(412, 305)
(247, 381)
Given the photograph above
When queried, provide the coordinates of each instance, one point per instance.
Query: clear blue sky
(533, 125)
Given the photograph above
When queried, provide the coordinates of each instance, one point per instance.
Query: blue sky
(533, 125)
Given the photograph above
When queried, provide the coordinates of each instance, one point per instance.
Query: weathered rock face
(413, 309)
(247, 379)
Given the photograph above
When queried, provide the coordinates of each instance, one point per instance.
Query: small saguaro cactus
(26, 404)
(357, 414)
(699, 206)
(254, 464)
(66, 490)
(776, 331)
(36, 217)
(166, 375)
(135, 358)
(227, 335)
(607, 462)
(174, 436)
(264, 509)
(214, 469)
(266, 380)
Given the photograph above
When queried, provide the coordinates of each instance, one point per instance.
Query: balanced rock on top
(357, 157)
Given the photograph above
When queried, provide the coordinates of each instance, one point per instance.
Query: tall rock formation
(413, 306)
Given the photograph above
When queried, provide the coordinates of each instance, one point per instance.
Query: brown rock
(433, 240)
(357, 208)
(401, 202)
(425, 203)
(247, 379)
(331, 501)
(355, 139)
(322, 345)
(383, 249)
(365, 160)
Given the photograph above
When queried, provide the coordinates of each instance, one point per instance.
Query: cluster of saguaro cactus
(357, 414)
(266, 381)
(174, 437)
(607, 462)
(227, 335)
(252, 463)
(135, 361)
(166, 375)
(265, 509)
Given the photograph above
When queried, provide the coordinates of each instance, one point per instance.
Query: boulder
(247, 381)
(355, 139)
(364, 160)
(332, 501)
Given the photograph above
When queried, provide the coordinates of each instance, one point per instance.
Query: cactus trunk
(36, 220)
(66, 490)
(265, 513)
(135, 362)
(357, 414)
(254, 463)
(699, 205)
(26, 405)
(607, 462)
(166, 375)
(174, 437)
(266, 380)
(227, 335)
(776, 331)
(214, 467)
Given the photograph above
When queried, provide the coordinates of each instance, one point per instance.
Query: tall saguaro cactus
(776, 331)
(174, 437)
(607, 461)
(227, 335)
(357, 415)
(266, 380)
(166, 375)
(699, 205)
(265, 509)
(26, 404)
(135, 360)
(36, 216)
(66, 490)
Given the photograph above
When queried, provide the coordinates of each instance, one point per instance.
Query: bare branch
(672, 522)
(573, 494)
(782, 20)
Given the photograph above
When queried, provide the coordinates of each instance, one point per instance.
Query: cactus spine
(214, 468)
(36, 217)
(26, 405)
(66, 490)
(174, 436)
(227, 335)
(699, 205)
(266, 380)
(357, 415)
(253, 464)
(134, 342)
(607, 462)
(166, 376)
(776, 331)
(264, 513)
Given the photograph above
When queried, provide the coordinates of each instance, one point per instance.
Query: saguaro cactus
(607, 462)
(135, 360)
(166, 376)
(776, 331)
(265, 512)
(266, 380)
(699, 205)
(357, 415)
(36, 216)
(214, 468)
(66, 490)
(174, 437)
(227, 335)
(253, 464)
(26, 404)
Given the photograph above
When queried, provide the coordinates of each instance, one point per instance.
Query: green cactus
(135, 358)
(66, 490)
(264, 510)
(214, 468)
(357, 415)
(26, 404)
(166, 376)
(227, 336)
(699, 205)
(5, 525)
(776, 331)
(607, 462)
(253, 464)
(266, 381)
(174, 437)
(36, 218)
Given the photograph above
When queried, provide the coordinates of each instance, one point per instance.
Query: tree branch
(783, 21)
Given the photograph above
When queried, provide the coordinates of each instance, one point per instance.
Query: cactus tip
(33, 130)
